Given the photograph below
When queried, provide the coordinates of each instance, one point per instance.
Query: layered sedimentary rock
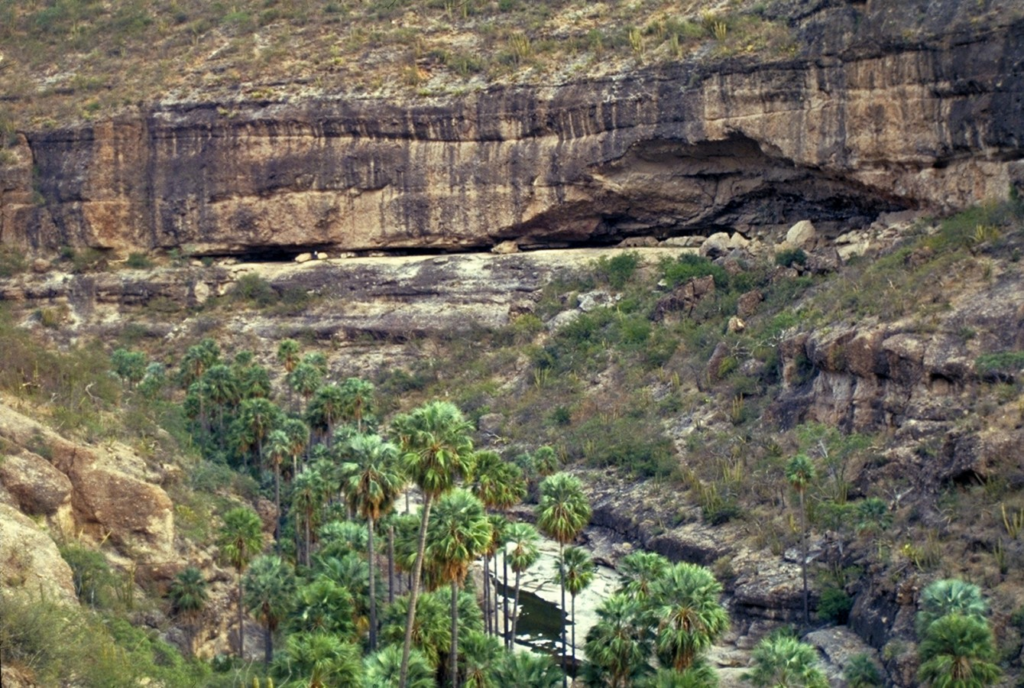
(868, 116)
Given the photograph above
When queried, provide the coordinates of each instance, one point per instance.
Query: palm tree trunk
(504, 599)
(573, 622)
(453, 655)
(417, 571)
(268, 646)
(373, 591)
(277, 504)
(803, 558)
(241, 635)
(561, 583)
(487, 594)
(391, 564)
(309, 517)
(515, 608)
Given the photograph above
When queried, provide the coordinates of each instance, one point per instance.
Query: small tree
(188, 601)
(269, 590)
(578, 569)
(240, 540)
(801, 474)
(782, 661)
(957, 651)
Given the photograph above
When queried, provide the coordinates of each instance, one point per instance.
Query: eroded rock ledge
(864, 120)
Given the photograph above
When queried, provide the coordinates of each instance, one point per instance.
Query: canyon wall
(863, 119)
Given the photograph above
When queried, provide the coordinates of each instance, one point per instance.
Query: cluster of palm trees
(957, 647)
(663, 615)
(337, 479)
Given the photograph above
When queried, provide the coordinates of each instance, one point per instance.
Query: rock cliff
(868, 116)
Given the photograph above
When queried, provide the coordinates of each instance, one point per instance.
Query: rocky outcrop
(30, 560)
(99, 493)
(868, 116)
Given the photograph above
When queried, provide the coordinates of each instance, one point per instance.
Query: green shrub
(834, 605)
(1001, 364)
(789, 257)
(138, 261)
(861, 672)
(90, 573)
(689, 266)
(12, 262)
(618, 270)
(255, 290)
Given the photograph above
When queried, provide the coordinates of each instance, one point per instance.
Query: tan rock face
(840, 133)
(38, 488)
(107, 493)
(30, 561)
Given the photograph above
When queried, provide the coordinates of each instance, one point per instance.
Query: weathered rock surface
(110, 490)
(30, 561)
(863, 119)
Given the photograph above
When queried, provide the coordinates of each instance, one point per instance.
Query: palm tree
(305, 380)
(523, 539)
(690, 616)
(351, 572)
(577, 569)
(325, 409)
(436, 440)
(269, 590)
(499, 536)
(949, 596)
(188, 600)
(324, 605)
(800, 473)
(323, 660)
(298, 438)
(288, 354)
(782, 661)
(240, 540)
(256, 419)
(374, 482)
(308, 492)
(358, 404)
(458, 533)
(700, 675)
(562, 513)
(480, 652)
(639, 571)
(527, 670)
(958, 652)
(197, 360)
(279, 445)
(222, 390)
(486, 486)
(431, 631)
(512, 490)
(383, 669)
(620, 643)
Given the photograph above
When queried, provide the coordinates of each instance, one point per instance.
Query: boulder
(684, 298)
(595, 299)
(638, 242)
(37, 487)
(505, 247)
(303, 257)
(801, 235)
(736, 325)
(747, 304)
(30, 561)
(693, 241)
(838, 645)
(716, 245)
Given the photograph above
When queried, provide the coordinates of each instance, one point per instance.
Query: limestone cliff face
(865, 118)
